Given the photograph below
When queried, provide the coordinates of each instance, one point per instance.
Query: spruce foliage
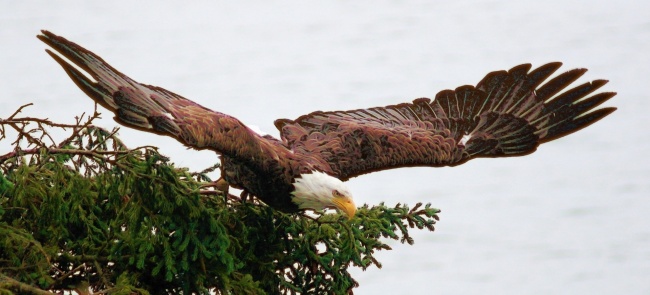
(87, 213)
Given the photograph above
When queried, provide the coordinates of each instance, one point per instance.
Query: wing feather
(154, 109)
(508, 113)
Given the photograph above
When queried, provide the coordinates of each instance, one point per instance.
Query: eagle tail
(511, 114)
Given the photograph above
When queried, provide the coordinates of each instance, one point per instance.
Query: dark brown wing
(505, 114)
(154, 109)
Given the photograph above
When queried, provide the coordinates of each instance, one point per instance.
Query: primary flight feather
(508, 113)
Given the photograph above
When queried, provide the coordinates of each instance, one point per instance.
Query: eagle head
(318, 191)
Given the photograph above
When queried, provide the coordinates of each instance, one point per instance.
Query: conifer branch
(88, 213)
(7, 283)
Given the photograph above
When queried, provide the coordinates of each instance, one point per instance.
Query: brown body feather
(505, 114)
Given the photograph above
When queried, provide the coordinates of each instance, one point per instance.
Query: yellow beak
(345, 205)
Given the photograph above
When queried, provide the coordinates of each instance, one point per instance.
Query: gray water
(568, 219)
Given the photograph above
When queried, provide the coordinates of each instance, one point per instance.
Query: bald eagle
(508, 113)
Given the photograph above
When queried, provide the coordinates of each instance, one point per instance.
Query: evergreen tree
(86, 213)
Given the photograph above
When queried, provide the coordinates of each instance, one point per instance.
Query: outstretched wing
(154, 109)
(505, 114)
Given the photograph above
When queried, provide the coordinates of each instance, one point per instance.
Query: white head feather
(315, 191)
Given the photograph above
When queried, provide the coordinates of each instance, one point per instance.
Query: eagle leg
(244, 196)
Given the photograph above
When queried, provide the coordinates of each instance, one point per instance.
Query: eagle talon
(222, 185)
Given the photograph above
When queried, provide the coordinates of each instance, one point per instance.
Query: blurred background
(571, 218)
